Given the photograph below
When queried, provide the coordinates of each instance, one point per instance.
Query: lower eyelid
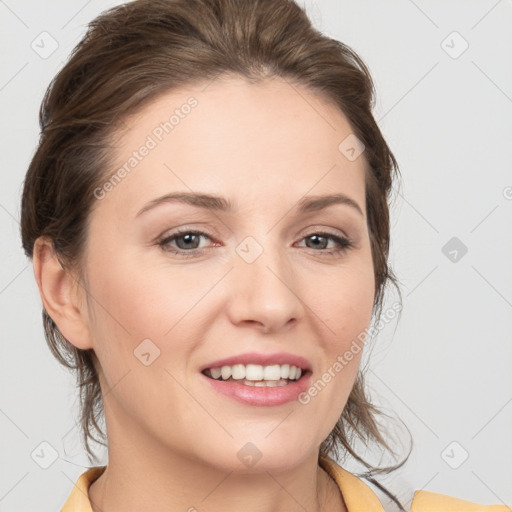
(342, 242)
(166, 240)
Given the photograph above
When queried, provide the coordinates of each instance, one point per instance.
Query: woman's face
(264, 283)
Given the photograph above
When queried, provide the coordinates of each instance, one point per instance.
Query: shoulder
(426, 501)
(78, 500)
(360, 495)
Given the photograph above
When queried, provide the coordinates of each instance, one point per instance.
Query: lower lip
(261, 396)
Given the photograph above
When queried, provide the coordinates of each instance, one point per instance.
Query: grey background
(444, 368)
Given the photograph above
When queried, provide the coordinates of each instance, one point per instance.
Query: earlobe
(60, 294)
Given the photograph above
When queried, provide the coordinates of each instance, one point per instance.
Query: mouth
(256, 375)
(259, 379)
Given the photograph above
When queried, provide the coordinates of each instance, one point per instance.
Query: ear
(61, 294)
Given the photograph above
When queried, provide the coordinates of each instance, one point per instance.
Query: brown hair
(134, 52)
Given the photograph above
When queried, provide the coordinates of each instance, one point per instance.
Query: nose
(265, 293)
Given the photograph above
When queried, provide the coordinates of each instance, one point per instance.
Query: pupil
(317, 238)
(188, 241)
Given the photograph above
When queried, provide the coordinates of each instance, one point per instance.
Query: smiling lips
(259, 379)
(256, 374)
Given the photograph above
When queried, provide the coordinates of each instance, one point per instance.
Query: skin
(173, 441)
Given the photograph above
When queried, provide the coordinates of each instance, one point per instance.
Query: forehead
(255, 141)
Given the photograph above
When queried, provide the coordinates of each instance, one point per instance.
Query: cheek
(343, 300)
(137, 300)
(354, 314)
(140, 299)
(344, 304)
(138, 313)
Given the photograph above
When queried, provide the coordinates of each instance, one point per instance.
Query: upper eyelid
(319, 231)
(313, 228)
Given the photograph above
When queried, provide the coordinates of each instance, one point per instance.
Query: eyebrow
(307, 204)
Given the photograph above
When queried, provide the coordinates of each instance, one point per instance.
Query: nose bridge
(264, 284)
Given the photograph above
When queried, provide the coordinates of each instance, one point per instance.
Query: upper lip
(261, 359)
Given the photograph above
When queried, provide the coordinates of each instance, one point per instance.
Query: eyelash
(344, 243)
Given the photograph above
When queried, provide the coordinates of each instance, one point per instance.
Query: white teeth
(258, 375)
(226, 372)
(272, 372)
(238, 371)
(254, 372)
(216, 372)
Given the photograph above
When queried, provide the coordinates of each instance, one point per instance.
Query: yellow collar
(357, 495)
(78, 500)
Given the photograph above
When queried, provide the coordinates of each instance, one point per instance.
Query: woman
(208, 220)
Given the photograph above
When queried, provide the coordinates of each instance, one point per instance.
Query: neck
(140, 476)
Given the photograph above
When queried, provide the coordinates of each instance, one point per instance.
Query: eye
(320, 241)
(187, 241)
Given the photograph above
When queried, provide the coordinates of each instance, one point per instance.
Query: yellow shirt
(357, 495)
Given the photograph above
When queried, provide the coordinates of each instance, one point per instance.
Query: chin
(260, 452)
